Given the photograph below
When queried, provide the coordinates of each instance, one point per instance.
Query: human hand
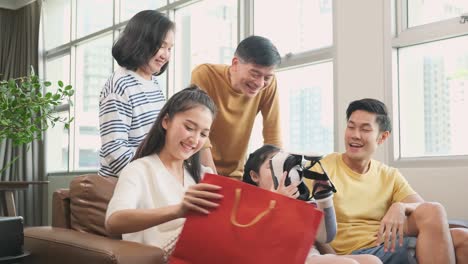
(198, 198)
(393, 223)
(289, 191)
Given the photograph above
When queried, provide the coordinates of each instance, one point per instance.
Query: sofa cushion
(89, 196)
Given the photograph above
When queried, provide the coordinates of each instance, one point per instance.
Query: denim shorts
(404, 254)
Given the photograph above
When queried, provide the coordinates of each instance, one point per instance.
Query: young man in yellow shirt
(377, 211)
(240, 91)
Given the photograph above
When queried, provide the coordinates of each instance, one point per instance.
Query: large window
(58, 68)
(302, 30)
(93, 67)
(128, 8)
(57, 22)
(195, 46)
(298, 26)
(431, 54)
(92, 16)
(307, 108)
(78, 37)
(421, 12)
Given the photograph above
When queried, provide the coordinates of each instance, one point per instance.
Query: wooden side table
(7, 194)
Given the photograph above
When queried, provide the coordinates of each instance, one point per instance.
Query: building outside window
(78, 37)
(303, 33)
(431, 51)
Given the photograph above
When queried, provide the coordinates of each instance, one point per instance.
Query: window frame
(245, 20)
(307, 58)
(398, 35)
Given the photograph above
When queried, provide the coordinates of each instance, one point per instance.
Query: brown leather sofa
(78, 235)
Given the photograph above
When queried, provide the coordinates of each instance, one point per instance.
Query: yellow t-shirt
(231, 129)
(361, 200)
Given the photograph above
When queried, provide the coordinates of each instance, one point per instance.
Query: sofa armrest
(59, 245)
(61, 208)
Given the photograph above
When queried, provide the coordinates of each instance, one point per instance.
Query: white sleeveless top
(147, 184)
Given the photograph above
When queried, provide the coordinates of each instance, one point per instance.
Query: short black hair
(372, 106)
(141, 39)
(258, 50)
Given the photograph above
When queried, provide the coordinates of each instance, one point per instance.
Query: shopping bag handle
(256, 219)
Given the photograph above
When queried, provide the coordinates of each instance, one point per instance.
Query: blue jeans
(405, 254)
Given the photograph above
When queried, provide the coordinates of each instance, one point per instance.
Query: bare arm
(395, 220)
(206, 159)
(140, 219)
(197, 198)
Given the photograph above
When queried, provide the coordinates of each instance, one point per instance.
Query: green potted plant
(26, 110)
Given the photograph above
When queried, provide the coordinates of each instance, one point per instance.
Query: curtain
(18, 51)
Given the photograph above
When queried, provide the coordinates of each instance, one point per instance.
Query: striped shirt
(128, 107)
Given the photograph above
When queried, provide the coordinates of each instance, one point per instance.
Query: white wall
(360, 34)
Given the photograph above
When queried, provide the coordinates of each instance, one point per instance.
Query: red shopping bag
(251, 225)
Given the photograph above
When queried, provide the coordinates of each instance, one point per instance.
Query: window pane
(93, 15)
(57, 137)
(57, 69)
(297, 26)
(57, 23)
(434, 98)
(220, 19)
(57, 147)
(129, 8)
(422, 12)
(306, 101)
(93, 68)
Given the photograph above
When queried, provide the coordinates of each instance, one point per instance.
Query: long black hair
(181, 101)
(141, 39)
